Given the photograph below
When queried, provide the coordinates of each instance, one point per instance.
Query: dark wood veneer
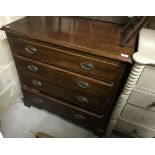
(95, 103)
(98, 38)
(66, 59)
(58, 46)
(62, 77)
(89, 119)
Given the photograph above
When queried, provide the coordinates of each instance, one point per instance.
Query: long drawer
(102, 69)
(136, 114)
(135, 129)
(142, 99)
(78, 98)
(61, 108)
(62, 77)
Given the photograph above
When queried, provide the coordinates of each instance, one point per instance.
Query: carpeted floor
(23, 122)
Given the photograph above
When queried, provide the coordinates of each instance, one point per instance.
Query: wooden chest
(70, 66)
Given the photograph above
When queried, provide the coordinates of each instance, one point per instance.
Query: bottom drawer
(78, 115)
(134, 129)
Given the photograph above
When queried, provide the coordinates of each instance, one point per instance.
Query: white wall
(10, 90)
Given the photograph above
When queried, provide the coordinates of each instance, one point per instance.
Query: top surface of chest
(93, 37)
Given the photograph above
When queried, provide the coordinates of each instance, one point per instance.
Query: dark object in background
(131, 25)
(110, 19)
(131, 29)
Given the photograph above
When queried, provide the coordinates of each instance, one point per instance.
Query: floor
(20, 121)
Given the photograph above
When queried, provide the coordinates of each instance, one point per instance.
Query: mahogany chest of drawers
(70, 66)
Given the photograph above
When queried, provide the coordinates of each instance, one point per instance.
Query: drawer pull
(87, 66)
(33, 68)
(83, 84)
(77, 116)
(37, 83)
(82, 99)
(30, 49)
(37, 100)
(153, 103)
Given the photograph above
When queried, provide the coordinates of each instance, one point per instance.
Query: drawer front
(134, 129)
(61, 108)
(86, 101)
(146, 80)
(106, 70)
(142, 99)
(62, 77)
(136, 114)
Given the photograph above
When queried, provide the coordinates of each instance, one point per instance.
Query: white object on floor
(10, 89)
(5, 53)
(23, 122)
(1, 135)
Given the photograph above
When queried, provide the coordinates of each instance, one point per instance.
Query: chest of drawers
(134, 113)
(137, 118)
(70, 66)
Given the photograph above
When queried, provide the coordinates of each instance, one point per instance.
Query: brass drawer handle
(37, 83)
(33, 68)
(37, 100)
(77, 116)
(83, 84)
(30, 49)
(87, 66)
(82, 99)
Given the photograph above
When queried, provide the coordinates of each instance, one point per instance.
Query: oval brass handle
(30, 49)
(33, 68)
(153, 103)
(78, 116)
(37, 83)
(87, 66)
(83, 84)
(82, 99)
(37, 100)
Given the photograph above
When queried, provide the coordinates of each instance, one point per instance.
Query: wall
(9, 82)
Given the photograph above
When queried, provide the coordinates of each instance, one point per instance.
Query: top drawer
(106, 70)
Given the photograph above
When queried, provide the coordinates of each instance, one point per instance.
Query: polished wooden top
(95, 37)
